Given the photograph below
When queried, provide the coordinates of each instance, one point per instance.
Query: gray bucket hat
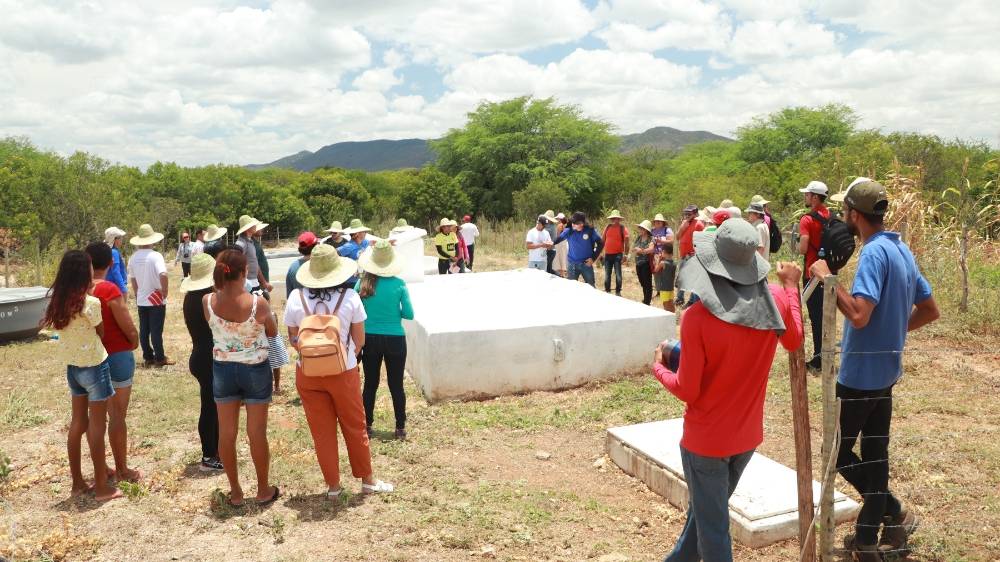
(730, 277)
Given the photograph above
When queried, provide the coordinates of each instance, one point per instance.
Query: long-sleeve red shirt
(722, 376)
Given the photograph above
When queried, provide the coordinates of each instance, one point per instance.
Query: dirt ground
(515, 478)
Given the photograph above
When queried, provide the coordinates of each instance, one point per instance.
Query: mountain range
(375, 155)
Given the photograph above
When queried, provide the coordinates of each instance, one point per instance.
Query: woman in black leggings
(197, 285)
(387, 303)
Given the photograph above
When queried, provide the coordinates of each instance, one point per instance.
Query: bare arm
(803, 244)
(358, 335)
(135, 286)
(164, 284)
(857, 310)
(265, 317)
(119, 310)
(924, 313)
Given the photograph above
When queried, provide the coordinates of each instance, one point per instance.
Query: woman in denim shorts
(77, 317)
(241, 323)
(119, 339)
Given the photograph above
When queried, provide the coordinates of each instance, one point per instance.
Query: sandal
(379, 487)
(334, 494)
(272, 499)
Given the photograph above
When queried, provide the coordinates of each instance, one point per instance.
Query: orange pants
(327, 400)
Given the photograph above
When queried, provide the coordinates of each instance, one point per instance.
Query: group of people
(733, 323)
(353, 293)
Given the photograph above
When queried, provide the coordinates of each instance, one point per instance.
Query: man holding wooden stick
(889, 298)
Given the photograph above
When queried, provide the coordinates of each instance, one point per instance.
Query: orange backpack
(321, 350)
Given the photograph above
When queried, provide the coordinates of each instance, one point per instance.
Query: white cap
(817, 187)
(111, 233)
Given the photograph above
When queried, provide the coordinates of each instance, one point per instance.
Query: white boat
(21, 311)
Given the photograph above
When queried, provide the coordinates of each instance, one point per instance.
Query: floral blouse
(238, 342)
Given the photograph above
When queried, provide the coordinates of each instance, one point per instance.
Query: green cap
(867, 196)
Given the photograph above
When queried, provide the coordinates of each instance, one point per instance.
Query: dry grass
(469, 483)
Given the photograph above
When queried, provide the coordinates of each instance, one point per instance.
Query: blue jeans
(575, 269)
(251, 384)
(613, 261)
(710, 482)
(121, 366)
(539, 265)
(151, 319)
(93, 382)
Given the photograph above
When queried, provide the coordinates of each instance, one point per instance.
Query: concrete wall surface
(487, 334)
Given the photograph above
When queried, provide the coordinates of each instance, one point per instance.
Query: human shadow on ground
(193, 470)
(318, 507)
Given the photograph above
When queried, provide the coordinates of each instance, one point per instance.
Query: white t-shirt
(536, 236)
(765, 238)
(469, 233)
(146, 266)
(197, 247)
(351, 312)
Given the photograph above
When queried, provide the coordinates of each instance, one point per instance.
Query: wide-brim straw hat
(246, 223)
(325, 268)
(335, 228)
(444, 222)
(356, 226)
(615, 215)
(659, 218)
(551, 215)
(214, 232)
(381, 259)
(262, 225)
(705, 216)
(401, 226)
(145, 236)
(759, 199)
(646, 225)
(202, 273)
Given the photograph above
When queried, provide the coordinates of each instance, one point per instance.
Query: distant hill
(378, 155)
(667, 138)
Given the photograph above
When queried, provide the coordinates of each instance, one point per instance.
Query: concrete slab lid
(766, 489)
(538, 299)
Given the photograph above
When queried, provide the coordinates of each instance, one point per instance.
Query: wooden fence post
(6, 267)
(38, 262)
(827, 523)
(803, 451)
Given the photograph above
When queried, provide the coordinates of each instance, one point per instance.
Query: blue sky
(241, 82)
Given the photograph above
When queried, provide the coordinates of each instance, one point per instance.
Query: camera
(671, 350)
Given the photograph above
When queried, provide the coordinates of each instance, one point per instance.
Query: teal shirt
(387, 307)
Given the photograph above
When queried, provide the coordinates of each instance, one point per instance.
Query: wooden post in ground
(803, 450)
(6, 267)
(38, 262)
(827, 524)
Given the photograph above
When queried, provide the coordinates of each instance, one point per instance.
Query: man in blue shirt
(584, 247)
(358, 242)
(889, 298)
(116, 273)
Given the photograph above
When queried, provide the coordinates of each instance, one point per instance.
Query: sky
(249, 82)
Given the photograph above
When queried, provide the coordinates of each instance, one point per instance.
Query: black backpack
(775, 232)
(836, 243)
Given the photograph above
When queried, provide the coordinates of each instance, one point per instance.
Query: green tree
(540, 195)
(795, 131)
(506, 145)
(431, 195)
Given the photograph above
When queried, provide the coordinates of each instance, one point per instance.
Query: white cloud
(756, 41)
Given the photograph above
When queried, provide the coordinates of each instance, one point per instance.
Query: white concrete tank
(410, 247)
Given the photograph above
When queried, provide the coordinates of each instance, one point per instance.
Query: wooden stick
(803, 450)
(830, 417)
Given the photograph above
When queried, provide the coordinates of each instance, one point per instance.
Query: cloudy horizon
(249, 82)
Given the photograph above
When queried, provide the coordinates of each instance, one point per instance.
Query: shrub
(539, 196)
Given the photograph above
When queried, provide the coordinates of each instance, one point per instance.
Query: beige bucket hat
(325, 268)
(446, 222)
(401, 226)
(646, 225)
(145, 236)
(335, 228)
(356, 226)
(615, 214)
(246, 223)
(759, 199)
(659, 218)
(202, 273)
(381, 259)
(214, 232)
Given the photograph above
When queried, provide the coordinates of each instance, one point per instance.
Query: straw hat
(145, 236)
(705, 215)
(111, 233)
(659, 218)
(213, 232)
(381, 260)
(401, 226)
(335, 228)
(246, 223)
(445, 222)
(615, 214)
(202, 271)
(325, 268)
(262, 225)
(551, 215)
(759, 199)
(646, 225)
(356, 227)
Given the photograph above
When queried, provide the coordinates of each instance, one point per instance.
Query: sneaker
(815, 365)
(210, 464)
(896, 533)
(369, 431)
(864, 552)
(401, 434)
(164, 362)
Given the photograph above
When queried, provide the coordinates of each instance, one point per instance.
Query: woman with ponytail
(241, 323)
(76, 315)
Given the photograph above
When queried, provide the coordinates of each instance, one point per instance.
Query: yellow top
(79, 344)
(447, 242)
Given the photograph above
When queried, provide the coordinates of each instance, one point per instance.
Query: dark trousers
(443, 266)
(645, 275)
(151, 319)
(815, 307)
(710, 482)
(472, 253)
(868, 414)
(208, 419)
(613, 261)
(550, 255)
(186, 268)
(391, 349)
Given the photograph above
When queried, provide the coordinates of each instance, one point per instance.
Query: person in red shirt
(728, 338)
(685, 245)
(616, 249)
(810, 233)
(119, 339)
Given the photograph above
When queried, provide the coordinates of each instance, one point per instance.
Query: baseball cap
(817, 187)
(467, 218)
(307, 239)
(691, 209)
(867, 196)
(720, 217)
